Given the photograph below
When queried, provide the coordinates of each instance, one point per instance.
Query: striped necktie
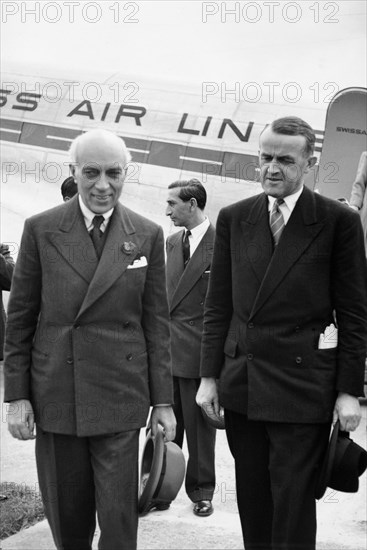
(276, 221)
(186, 248)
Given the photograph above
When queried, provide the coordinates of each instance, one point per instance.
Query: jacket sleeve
(23, 311)
(359, 187)
(6, 267)
(218, 305)
(349, 295)
(156, 325)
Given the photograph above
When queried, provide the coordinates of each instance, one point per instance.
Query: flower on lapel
(128, 247)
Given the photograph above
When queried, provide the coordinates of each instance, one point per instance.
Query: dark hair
(191, 189)
(69, 188)
(294, 126)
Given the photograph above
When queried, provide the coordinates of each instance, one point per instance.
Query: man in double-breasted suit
(189, 254)
(285, 334)
(87, 349)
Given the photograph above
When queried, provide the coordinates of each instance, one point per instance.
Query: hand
(164, 416)
(21, 419)
(348, 411)
(207, 396)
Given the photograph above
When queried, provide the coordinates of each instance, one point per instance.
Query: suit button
(201, 303)
(297, 329)
(69, 361)
(250, 325)
(126, 324)
(298, 360)
(250, 356)
(77, 327)
(129, 356)
(191, 323)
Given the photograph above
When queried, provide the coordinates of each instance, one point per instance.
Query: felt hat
(162, 472)
(217, 421)
(344, 462)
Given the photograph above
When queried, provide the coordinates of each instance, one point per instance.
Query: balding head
(99, 160)
(99, 138)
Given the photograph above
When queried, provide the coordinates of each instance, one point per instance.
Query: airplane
(172, 130)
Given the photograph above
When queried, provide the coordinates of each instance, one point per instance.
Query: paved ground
(342, 517)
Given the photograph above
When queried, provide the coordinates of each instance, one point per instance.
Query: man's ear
(193, 202)
(72, 169)
(311, 162)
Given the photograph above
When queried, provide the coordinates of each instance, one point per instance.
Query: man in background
(6, 273)
(68, 188)
(189, 254)
(358, 198)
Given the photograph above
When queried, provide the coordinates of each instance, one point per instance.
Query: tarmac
(341, 516)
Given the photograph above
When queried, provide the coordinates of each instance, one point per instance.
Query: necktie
(186, 248)
(276, 221)
(96, 234)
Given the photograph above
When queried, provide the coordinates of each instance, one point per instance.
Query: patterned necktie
(186, 248)
(276, 221)
(96, 235)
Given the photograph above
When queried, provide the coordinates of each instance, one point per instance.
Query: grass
(21, 508)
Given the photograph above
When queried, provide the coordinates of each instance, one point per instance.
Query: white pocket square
(140, 262)
(329, 339)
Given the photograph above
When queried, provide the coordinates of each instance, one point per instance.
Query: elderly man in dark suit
(285, 334)
(87, 349)
(189, 254)
(6, 273)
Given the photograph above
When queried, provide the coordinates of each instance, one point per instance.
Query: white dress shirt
(88, 216)
(197, 233)
(288, 205)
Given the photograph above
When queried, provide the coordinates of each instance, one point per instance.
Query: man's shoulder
(176, 236)
(242, 206)
(52, 215)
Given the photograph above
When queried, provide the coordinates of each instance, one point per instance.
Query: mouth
(102, 198)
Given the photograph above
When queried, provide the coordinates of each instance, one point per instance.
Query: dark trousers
(276, 470)
(200, 437)
(80, 476)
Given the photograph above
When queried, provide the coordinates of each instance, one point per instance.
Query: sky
(314, 44)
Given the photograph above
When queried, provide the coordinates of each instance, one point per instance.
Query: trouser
(200, 437)
(80, 476)
(276, 471)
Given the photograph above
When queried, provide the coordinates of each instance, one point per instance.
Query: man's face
(100, 173)
(178, 210)
(283, 163)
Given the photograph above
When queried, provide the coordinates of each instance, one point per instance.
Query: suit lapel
(175, 264)
(116, 255)
(200, 261)
(257, 246)
(301, 229)
(73, 243)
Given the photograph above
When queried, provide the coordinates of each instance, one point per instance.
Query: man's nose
(273, 167)
(102, 182)
(168, 211)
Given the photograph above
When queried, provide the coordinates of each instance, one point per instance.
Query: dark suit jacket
(88, 342)
(265, 312)
(6, 272)
(186, 295)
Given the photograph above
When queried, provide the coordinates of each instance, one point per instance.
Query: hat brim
(217, 421)
(327, 464)
(162, 471)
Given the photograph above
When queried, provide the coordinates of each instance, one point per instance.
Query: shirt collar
(290, 200)
(200, 229)
(88, 215)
